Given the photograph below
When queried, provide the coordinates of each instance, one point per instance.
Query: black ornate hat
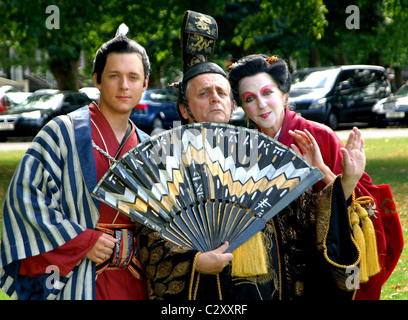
(198, 35)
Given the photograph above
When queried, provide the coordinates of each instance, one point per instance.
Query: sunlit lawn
(386, 164)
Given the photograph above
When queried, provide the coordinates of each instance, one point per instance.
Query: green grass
(386, 164)
(8, 164)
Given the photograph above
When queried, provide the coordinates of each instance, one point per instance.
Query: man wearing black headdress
(204, 96)
(204, 93)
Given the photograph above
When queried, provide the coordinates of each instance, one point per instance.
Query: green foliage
(288, 28)
(392, 37)
(276, 24)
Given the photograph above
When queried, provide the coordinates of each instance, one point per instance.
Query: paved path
(343, 134)
(376, 133)
(13, 145)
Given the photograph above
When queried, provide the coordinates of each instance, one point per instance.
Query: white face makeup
(263, 102)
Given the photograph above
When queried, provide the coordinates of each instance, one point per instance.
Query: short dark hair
(119, 44)
(257, 63)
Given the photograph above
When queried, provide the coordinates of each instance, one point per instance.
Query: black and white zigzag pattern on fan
(202, 184)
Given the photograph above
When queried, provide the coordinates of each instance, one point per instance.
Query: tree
(286, 28)
(34, 25)
(66, 29)
(376, 36)
(307, 33)
(392, 39)
(352, 25)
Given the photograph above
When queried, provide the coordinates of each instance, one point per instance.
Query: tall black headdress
(199, 33)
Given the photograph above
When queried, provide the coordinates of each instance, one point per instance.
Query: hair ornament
(174, 85)
(122, 30)
(272, 59)
(232, 66)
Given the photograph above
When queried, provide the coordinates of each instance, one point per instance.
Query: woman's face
(263, 102)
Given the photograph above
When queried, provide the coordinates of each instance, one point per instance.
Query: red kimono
(111, 284)
(384, 216)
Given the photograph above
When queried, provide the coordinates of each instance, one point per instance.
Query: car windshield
(315, 79)
(157, 96)
(401, 92)
(47, 101)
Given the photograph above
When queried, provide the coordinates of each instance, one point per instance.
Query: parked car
(393, 109)
(12, 99)
(3, 91)
(32, 114)
(339, 94)
(92, 92)
(157, 109)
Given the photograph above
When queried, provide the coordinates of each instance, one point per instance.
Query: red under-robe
(390, 241)
(110, 284)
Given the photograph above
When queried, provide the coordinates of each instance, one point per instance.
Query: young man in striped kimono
(57, 241)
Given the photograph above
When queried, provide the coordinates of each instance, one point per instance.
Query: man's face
(209, 99)
(122, 83)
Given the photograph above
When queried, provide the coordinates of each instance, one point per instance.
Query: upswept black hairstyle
(257, 63)
(119, 44)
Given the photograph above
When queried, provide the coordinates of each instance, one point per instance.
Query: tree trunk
(65, 72)
(399, 81)
(314, 57)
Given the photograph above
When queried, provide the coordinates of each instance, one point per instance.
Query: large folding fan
(202, 184)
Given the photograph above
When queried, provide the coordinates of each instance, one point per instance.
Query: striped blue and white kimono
(49, 203)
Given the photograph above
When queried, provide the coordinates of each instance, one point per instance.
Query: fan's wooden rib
(182, 227)
(177, 236)
(225, 210)
(246, 218)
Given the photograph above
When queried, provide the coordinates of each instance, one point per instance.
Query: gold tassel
(373, 265)
(359, 237)
(250, 259)
(365, 238)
